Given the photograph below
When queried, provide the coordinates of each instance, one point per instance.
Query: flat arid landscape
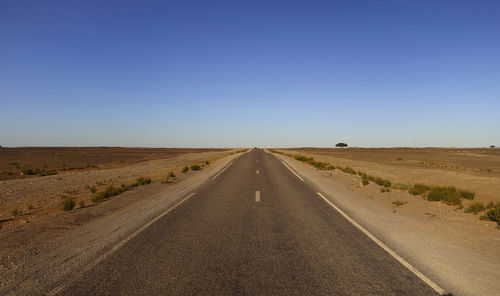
(250, 148)
(121, 183)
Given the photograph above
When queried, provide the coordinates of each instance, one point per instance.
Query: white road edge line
(428, 281)
(293, 172)
(222, 170)
(58, 289)
(257, 195)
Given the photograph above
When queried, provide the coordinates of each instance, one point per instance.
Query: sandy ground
(39, 250)
(61, 160)
(457, 250)
(472, 169)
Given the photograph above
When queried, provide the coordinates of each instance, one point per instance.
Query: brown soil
(70, 159)
(477, 170)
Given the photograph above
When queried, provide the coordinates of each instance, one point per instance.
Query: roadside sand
(36, 256)
(455, 249)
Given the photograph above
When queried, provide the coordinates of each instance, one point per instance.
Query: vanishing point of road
(255, 228)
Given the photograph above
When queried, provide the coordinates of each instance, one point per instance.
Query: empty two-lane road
(254, 229)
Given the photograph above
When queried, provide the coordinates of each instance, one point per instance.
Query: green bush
(68, 204)
(493, 213)
(447, 194)
(171, 175)
(401, 186)
(185, 169)
(143, 180)
(382, 182)
(304, 159)
(364, 180)
(28, 172)
(330, 167)
(465, 194)
(475, 208)
(195, 167)
(398, 203)
(349, 170)
(419, 189)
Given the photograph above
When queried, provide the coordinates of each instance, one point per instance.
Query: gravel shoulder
(35, 256)
(456, 250)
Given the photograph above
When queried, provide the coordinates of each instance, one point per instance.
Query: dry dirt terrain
(26, 162)
(455, 248)
(472, 169)
(48, 238)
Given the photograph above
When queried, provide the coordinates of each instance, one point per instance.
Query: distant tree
(492, 146)
(341, 145)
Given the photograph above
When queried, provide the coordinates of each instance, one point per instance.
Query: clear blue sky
(249, 73)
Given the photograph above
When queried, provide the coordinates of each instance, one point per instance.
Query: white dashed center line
(257, 172)
(257, 195)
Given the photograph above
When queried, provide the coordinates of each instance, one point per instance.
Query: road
(255, 229)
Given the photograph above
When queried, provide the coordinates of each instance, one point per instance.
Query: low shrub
(382, 182)
(28, 172)
(207, 162)
(385, 189)
(349, 170)
(330, 167)
(143, 180)
(93, 189)
(82, 204)
(195, 167)
(400, 186)
(399, 203)
(364, 180)
(171, 175)
(185, 169)
(15, 212)
(447, 194)
(493, 213)
(419, 189)
(68, 204)
(466, 194)
(303, 158)
(475, 208)
(29, 206)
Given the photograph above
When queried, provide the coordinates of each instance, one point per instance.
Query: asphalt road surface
(256, 229)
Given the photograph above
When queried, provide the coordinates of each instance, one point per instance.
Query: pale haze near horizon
(264, 74)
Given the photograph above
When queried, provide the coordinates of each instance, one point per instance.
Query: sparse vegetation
(475, 208)
(385, 189)
(93, 189)
(447, 194)
(15, 212)
(68, 204)
(171, 175)
(143, 180)
(364, 180)
(185, 169)
(195, 167)
(401, 186)
(399, 203)
(493, 212)
(29, 206)
(207, 162)
(82, 204)
(419, 189)
(466, 194)
(112, 190)
(348, 170)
